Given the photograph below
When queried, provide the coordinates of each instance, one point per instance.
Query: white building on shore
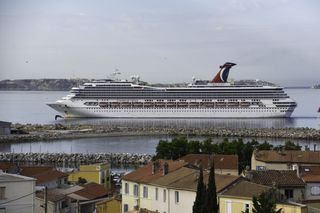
(17, 193)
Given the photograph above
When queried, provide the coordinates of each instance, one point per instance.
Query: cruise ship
(200, 99)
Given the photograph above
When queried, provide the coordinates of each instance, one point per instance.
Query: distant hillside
(41, 84)
(67, 84)
(254, 82)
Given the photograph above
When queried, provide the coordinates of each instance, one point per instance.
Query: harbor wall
(76, 158)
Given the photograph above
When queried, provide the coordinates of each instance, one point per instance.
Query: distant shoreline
(58, 90)
(67, 84)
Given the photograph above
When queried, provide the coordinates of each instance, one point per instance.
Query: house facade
(17, 193)
(136, 189)
(98, 173)
(174, 191)
(290, 186)
(5, 128)
(283, 160)
(238, 198)
(57, 203)
(111, 205)
(311, 176)
(45, 175)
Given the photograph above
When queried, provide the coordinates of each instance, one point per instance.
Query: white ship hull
(89, 112)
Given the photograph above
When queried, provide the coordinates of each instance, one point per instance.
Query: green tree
(264, 146)
(211, 203)
(163, 150)
(198, 204)
(291, 146)
(179, 147)
(81, 180)
(245, 155)
(265, 202)
(206, 146)
(193, 147)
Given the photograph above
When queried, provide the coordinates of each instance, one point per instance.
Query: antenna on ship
(115, 73)
(135, 78)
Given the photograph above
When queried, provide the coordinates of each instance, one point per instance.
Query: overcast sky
(161, 40)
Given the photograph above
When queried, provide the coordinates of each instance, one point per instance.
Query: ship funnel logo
(222, 75)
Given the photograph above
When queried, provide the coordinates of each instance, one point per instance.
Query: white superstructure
(200, 99)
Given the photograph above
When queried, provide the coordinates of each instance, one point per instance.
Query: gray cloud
(162, 41)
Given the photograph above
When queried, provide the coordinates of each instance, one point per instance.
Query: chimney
(314, 147)
(295, 167)
(153, 168)
(165, 168)
(196, 163)
(248, 174)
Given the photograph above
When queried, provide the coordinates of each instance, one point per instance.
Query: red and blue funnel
(222, 75)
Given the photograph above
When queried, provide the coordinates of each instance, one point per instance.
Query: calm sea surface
(124, 144)
(30, 107)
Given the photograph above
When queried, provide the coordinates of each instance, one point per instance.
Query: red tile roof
(42, 174)
(220, 161)
(310, 174)
(245, 189)
(187, 179)
(280, 178)
(33, 170)
(288, 156)
(52, 196)
(144, 174)
(311, 178)
(92, 191)
(5, 166)
(49, 176)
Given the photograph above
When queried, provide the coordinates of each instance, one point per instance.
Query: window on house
(135, 190)
(288, 193)
(145, 192)
(176, 196)
(315, 190)
(125, 207)
(246, 208)
(2, 193)
(260, 168)
(164, 195)
(126, 188)
(64, 204)
(156, 193)
(228, 206)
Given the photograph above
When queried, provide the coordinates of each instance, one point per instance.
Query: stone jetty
(72, 131)
(76, 158)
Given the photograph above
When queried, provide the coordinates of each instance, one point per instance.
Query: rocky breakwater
(114, 158)
(288, 133)
(71, 131)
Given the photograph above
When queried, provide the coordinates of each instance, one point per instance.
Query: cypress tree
(265, 202)
(201, 193)
(211, 203)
